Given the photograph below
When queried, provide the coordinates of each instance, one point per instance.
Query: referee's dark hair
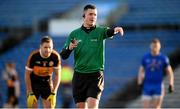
(88, 6)
(46, 39)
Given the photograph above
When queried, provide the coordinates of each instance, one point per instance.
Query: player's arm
(170, 74)
(28, 71)
(17, 87)
(30, 95)
(56, 82)
(57, 79)
(140, 75)
(31, 98)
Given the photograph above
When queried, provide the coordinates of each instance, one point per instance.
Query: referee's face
(46, 48)
(90, 17)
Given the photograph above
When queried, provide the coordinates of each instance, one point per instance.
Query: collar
(88, 30)
(155, 55)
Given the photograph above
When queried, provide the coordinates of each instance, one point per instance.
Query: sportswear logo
(94, 40)
(38, 62)
(159, 62)
(152, 69)
(147, 60)
(44, 63)
(154, 61)
(51, 63)
(79, 40)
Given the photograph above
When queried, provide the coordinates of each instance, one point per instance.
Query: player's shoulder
(163, 56)
(33, 53)
(147, 55)
(55, 53)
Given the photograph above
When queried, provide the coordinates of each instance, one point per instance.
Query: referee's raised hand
(73, 44)
(119, 30)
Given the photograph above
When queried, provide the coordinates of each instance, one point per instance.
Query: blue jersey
(154, 67)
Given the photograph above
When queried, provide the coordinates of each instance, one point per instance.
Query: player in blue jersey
(150, 77)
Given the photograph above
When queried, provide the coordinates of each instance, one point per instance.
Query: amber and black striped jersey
(43, 66)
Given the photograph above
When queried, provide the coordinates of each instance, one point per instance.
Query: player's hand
(171, 88)
(119, 30)
(73, 44)
(52, 99)
(140, 88)
(31, 98)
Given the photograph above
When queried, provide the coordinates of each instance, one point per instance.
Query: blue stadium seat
(26, 13)
(151, 12)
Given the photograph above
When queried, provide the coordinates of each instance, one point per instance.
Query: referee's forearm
(110, 32)
(65, 53)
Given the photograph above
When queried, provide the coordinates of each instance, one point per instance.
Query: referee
(88, 43)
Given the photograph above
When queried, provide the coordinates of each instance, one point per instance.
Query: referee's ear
(83, 15)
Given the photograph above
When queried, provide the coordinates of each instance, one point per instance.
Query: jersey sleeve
(105, 36)
(143, 62)
(29, 64)
(58, 62)
(166, 61)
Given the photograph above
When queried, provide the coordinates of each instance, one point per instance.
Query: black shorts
(40, 86)
(87, 85)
